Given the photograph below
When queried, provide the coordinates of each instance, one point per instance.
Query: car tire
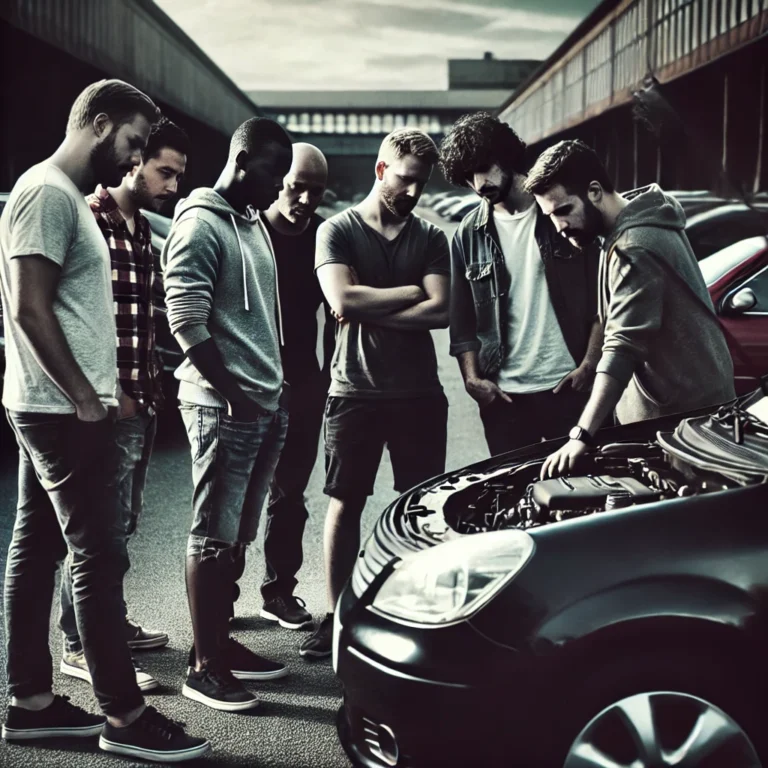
(677, 681)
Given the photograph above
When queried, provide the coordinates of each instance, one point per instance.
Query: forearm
(594, 346)
(362, 302)
(206, 357)
(52, 352)
(606, 393)
(469, 366)
(425, 315)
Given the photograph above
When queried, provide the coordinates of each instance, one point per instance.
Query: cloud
(352, 44)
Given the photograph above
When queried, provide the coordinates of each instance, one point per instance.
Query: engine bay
(616, 476)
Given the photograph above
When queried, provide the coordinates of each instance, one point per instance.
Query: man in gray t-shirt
(385, 273)
(60, 382)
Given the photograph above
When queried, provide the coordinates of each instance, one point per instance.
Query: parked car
(737, 279)
(616, 617)
(447, 202)
(715, 229)
(460, 210)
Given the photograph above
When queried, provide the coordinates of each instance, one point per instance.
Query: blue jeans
(67, 503)
(135, 438)
(233, 463)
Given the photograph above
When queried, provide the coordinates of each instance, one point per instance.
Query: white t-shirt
(537, 356)
(47, 215)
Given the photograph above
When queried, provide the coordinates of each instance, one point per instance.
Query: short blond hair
(409, 141)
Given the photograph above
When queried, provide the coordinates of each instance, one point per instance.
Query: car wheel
(654, 711)
(662, 728)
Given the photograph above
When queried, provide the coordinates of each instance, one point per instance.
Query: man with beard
(292, 225)
(664, 350)
(59, 393)
(223, 307)
(385, 274)
(523, 309)
(129, 238)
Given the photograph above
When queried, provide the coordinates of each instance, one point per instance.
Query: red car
(737, 279)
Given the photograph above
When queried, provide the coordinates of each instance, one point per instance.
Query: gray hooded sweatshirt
(221, 282)
(662, 337)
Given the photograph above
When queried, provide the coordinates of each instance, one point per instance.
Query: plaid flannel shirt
(133, 275)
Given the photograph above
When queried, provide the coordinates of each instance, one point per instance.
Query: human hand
(484, 391)
(581, 379)
(245, 410)
(127, 407)
(91, 409)
(563, 460)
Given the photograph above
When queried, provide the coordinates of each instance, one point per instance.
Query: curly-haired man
(523, 318)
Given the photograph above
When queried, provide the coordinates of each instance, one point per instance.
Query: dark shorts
(357, 429)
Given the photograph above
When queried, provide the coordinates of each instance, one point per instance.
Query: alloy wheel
(660, 729)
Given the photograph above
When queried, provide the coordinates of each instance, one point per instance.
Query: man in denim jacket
(524, 323)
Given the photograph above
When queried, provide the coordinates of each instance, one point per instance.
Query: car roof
(719, 264)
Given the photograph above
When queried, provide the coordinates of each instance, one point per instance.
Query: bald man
(292, 224)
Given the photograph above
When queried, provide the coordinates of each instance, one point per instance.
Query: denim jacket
(480, 289)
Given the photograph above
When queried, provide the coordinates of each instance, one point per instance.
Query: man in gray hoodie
(222, 302)
(664, 351)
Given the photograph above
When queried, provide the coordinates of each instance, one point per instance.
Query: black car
(711, 231)
(614, 618)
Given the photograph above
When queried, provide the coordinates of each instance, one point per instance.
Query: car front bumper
(444, 696)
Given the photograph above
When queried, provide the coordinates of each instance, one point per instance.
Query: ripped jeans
(232, 466)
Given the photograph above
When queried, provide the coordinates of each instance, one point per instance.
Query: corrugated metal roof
(379, 100)
(136, 41)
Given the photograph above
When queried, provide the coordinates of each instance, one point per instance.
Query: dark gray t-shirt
(371, 361)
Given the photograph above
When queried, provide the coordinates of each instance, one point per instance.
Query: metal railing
(664, 37)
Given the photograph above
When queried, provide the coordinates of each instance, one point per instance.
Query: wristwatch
(579, 433)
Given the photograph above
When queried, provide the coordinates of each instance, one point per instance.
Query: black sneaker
(58, 719)
(153, 736)
(141, 639)
(320, 643)
(288, 611)
(216, 687)
(247, 665)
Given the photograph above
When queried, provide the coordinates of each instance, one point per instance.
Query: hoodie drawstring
(242, 261)
(277, 281)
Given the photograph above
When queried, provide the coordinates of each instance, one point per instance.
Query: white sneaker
(74, 665)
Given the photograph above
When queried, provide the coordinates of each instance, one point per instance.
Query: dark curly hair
(476, 142)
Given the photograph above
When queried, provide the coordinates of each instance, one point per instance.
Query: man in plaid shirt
(128, 235)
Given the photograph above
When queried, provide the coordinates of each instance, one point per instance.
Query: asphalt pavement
(294, 727)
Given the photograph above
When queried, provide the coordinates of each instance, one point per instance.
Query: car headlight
(452, 581)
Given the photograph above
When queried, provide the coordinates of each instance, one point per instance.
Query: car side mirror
(741, 301)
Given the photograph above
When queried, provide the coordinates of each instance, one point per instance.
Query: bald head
(302, 191)
(308, 160)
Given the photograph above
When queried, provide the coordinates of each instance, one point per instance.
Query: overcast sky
(368, 44)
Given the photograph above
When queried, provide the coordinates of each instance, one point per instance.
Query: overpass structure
(707, 108)
(51, 49)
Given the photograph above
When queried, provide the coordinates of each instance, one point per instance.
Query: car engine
(617, 476)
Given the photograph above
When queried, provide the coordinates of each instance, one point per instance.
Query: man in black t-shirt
(385, 273)
(292, 224)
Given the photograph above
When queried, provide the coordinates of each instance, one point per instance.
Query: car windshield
(719, 264)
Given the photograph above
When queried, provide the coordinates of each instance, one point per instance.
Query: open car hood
(732, 442)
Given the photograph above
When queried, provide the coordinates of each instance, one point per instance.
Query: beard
(593, 226)
(496, 194)
(143, 197)
(106, 165)
(399, 206)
